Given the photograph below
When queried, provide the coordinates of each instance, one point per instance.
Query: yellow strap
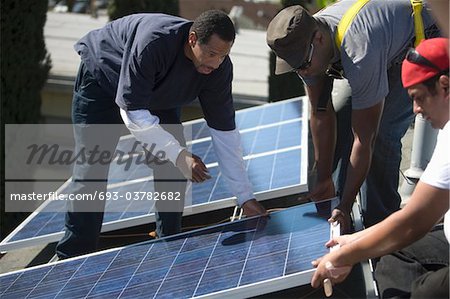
(347, 20)
(418, 22)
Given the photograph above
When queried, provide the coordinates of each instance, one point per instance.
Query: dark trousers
(417, 271)
(379, 192)
(97, 120)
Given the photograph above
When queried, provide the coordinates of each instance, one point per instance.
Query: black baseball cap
(289, 35)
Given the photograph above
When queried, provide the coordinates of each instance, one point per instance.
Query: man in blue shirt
(140, 70)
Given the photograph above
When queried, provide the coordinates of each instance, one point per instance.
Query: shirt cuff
(146, 129)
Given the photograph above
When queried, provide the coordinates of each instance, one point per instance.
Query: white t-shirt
(437, 173)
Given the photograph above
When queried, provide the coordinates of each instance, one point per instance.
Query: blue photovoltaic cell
(280, 128)
(251, 254)
(282, 175)
(254, 117)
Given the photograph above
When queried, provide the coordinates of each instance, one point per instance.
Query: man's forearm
(357, 170)
(394, 233)
(323, 130)
(365, 127)
(324, 138)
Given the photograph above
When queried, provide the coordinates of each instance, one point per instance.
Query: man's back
(140, 58)
(377, 38)
(107, 49)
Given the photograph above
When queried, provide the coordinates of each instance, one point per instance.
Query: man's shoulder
(151, 17)
(155, 24)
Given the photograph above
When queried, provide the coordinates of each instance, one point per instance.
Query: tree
(25, 64)
(120, 8)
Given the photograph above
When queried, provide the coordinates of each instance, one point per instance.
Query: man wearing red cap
(357, 146)
(421, 269)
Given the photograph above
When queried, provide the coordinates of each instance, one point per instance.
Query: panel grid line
(276, 146)
(207, 263)
(214, 187)
(135, 270)
(248, 130)
(67, 281)
(11, 284)
(279, 120)
(288, 247)
(46, 274)
(248, 253)
(48, 221)
(129, 205)
(243, 258)
(274, 163)
(103, 273)
(170, 268)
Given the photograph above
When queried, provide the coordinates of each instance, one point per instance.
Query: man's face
(434, 107)
(318, 63)
(208, 57)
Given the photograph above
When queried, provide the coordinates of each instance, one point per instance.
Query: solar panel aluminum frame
(258, 288)
(264, 287)
(366, 266)
(7, 245)
(245, 291)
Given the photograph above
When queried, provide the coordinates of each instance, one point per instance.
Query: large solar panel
(274, 140)
(240, 259)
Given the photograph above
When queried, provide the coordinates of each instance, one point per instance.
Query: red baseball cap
(435, 50)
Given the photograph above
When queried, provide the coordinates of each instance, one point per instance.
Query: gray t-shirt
(139, 60)
(378, 37)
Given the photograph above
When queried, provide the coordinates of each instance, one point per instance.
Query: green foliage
(120, 8)
(25, 64)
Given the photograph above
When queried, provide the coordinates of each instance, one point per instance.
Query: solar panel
(239, 259)
(274, 140)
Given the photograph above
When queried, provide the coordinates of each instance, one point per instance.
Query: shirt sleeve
(227, 145)
(437, 173)
(146, 129)
(137, 75)
(365, 66)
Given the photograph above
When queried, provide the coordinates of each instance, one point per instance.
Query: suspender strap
(340, 32)
(418, 22)
(325, 95)
(347, 20)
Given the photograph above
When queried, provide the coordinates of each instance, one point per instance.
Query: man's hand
(252, 208)
(341, 240)
(323, 189)
(342, 217)
(192, 167)
(326, 269)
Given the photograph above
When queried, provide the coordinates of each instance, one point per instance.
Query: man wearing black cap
(415, 263)
(368, 52)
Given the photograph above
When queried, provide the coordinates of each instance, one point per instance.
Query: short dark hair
(431, 83)
(213, 22)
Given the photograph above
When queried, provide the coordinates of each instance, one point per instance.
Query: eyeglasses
(414, 57)
(307, 63)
